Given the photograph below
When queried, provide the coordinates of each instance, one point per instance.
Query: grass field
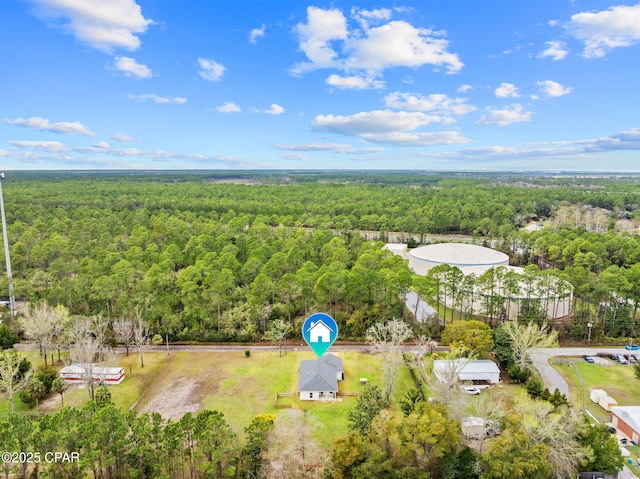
(619, 381)
(240, 387)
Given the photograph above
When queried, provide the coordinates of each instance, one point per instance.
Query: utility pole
(12, 299)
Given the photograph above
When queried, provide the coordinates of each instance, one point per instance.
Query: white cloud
(322, 27)
(52, 146)
(438, 103)
(274, 110)
(228, 107)
(342, 148)
(4, 153)
(354, 82)
(156, 98)
(210, 69)
(367, 17)
(623, 141)
(388, 127)
(131, 68)
(464, 88)
(605, 30)
(256, 33)
(400, 138)
(556, 50)
(377, 121)
(506, 116)
(101, 144)
(552, 88)
(398, 43)
(507, 90)
(122, 137)
(294, 157)
(104, 25)
(372, 49)
(64, 127)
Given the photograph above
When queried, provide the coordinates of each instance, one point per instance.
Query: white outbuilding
(467, 370)
(81, 372)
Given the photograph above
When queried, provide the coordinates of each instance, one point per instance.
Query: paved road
(552, 378)
(220, 348)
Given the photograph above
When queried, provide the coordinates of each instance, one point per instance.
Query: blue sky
(442, 84)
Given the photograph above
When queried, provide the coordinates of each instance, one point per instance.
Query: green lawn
(240, 387)
(619, 381)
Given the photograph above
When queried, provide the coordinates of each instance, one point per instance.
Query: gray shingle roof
(320, 374)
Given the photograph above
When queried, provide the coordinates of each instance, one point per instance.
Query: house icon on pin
(319, 332)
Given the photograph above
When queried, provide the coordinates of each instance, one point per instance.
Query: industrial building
(516, 289)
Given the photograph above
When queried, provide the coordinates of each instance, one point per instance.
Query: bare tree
(492, 408)
(43, 324)
(388, 339)
(444, 382)
(123, 329)
(556, 429)
(293, 452)
(277, 332)
(12, 379)
(527, 337)
(88, 347)
(141, 335)
(84, 354)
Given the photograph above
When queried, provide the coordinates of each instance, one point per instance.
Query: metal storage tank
(462, 255)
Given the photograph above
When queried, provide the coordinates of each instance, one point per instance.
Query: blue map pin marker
(319, 331)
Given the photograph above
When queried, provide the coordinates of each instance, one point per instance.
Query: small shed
(596, 394)
(607, 402)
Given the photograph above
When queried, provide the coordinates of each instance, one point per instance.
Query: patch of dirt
(178, 398)
(50, 404)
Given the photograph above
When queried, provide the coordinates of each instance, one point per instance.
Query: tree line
(205, 260)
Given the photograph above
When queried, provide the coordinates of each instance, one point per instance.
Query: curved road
(552, 378)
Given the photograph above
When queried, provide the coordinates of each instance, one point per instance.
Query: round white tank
(462, 255)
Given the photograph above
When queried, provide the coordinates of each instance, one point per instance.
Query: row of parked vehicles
(619, 358)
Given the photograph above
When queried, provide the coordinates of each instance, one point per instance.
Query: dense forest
(208, 256)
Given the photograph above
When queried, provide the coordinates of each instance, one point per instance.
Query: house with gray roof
(319, 378)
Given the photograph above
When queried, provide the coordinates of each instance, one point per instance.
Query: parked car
(630, 357)
(612, 430)
(588, 358)
(472, 390)
(620, 358)
(634, 357)
(632, 347)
